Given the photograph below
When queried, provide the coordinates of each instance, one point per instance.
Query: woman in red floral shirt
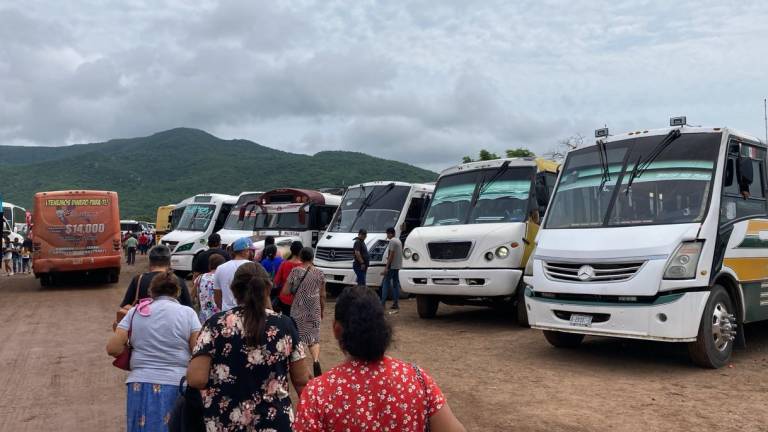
(371, 391)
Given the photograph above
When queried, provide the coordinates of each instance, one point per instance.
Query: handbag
(295, 288)
(123, 311)
(187, 413)
(423, 387)
(123, 361)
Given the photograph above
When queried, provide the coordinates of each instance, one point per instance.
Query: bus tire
(563, 340)
(113, 276)
(521, 313)
(717, 331)
(45, 280)
(426, 306)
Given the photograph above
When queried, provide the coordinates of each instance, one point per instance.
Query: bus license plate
(76, 261)
(581, 320)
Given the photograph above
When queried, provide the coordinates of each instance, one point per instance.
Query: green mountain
(169, 166)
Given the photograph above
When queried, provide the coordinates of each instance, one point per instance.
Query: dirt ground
(55, 374)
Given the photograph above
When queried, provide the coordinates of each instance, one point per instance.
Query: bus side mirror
(241, 214)
(729, 173)
(302, 216)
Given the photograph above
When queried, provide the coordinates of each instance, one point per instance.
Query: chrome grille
(591, 272)
(335, 254)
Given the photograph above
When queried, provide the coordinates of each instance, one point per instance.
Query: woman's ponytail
(250, 286)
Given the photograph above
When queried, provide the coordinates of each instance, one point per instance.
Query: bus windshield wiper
(487, 183)
(369, 201)
(641, 167)
(605, 170)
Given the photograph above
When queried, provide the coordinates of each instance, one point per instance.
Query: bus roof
(683, 129)
(73, 192)
(11, 205)
(311, 195)
(540, 163)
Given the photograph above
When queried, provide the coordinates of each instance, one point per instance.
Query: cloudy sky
(419, 81)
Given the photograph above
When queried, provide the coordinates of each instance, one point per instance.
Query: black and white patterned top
(306, 305)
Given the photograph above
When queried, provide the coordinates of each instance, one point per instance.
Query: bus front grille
(448, 251)
(335, 254)
(591, 272)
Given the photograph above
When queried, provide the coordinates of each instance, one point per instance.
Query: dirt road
(55, 375)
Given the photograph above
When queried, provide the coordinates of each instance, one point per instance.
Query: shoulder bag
(187, 413)
(123, 311)
(123, 361)
(426, 398)
(295, 288)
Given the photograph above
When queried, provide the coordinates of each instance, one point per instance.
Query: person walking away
(130, 250)
(143, 242)
(362, 260)
(307, 283)
(260, 254)
(285, 300)
(270, 261)
(243, 250)
(204, 289)
(7, 256)
(162, 335)
(16, 255)
(243, 360)
(201, 261)
(391, 271)
(399, 396)
(159, 263)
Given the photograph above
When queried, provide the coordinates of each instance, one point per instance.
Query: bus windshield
(373, 208)
(234, 222)
(196, 217)
(280, 221)
(672, 187)
(501, 196)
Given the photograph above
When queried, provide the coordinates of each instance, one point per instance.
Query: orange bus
(76, 231)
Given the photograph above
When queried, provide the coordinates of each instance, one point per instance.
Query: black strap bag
(187, 413)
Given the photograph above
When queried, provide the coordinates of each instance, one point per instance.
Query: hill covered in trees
(169, 166)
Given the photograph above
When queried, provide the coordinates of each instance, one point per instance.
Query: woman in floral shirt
(371, 391)
(204, 287)
(243, 359)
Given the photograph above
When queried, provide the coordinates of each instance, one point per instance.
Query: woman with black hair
(243, 359)
(162, 333)
(307, 282)
(386, 393)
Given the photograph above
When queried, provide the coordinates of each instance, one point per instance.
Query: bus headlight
(502, 252)
(376, 253)
(185, 247)
(407, 253)
(684, 261)
(415, 257)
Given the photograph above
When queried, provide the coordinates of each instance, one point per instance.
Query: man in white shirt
(243, 250)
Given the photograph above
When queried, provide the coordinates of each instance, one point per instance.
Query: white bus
(290, 214)
(373, 206)
(236, 226)
(477, 235)
(658, 235)
(16, 217)
(201, 217)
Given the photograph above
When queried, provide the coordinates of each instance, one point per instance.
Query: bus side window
(735, 205)
(321, 216)
(223, 214)
(413, 216)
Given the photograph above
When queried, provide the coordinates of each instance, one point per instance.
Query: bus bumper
(672, 318)
(76, 264)
(461, 282)
(346, 276)
(182, 262)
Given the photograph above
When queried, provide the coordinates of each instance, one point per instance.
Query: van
(373, 206)
(201, 217)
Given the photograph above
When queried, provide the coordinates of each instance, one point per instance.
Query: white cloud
(419, 81)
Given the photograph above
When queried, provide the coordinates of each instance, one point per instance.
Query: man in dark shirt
(360, 264)
(159, 261)
(200, 263)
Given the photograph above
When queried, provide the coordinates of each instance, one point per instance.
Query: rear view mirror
(729, 173)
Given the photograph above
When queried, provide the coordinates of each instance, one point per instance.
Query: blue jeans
(359, 275)
(392, 277)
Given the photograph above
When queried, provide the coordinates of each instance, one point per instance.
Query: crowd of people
(250, 329)
(17, 256)
(137, 243)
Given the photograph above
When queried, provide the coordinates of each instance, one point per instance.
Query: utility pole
(765, 117)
